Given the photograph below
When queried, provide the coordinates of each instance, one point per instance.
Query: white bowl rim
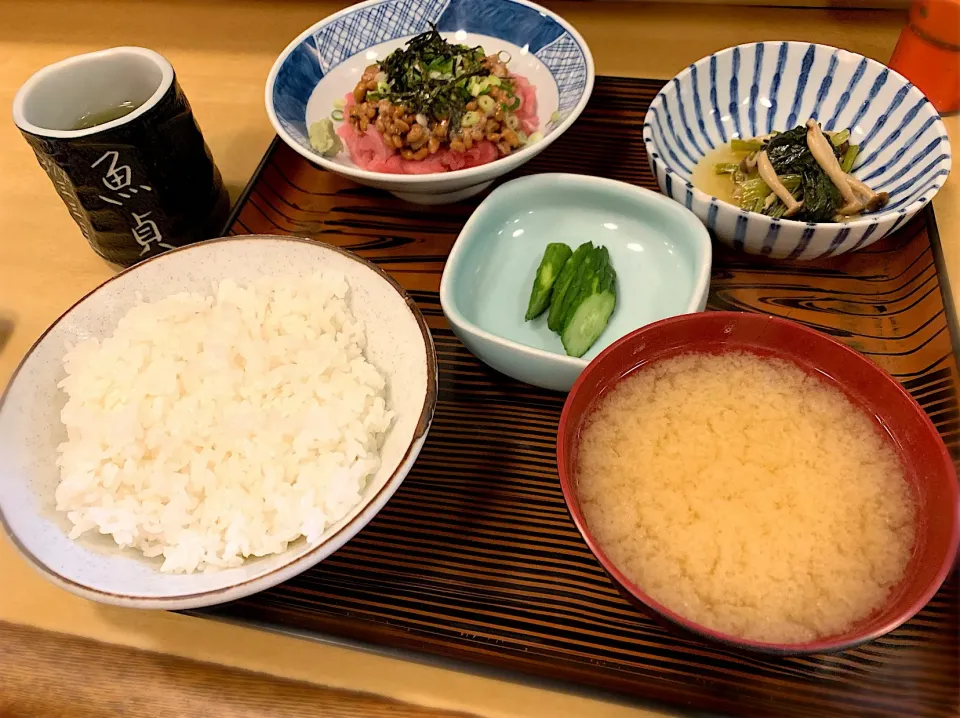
(478, 172)
(862, 222)
(296, 565)
(700, 236)
(167, 76)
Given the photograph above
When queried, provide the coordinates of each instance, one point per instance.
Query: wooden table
(222, 52)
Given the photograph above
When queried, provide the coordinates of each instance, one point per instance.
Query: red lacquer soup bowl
(928, 466)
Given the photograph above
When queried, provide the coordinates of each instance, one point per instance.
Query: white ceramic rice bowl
(398, 344)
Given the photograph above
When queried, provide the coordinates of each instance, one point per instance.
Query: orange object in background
(928, 52)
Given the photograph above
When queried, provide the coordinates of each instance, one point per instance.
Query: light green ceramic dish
(660, 251)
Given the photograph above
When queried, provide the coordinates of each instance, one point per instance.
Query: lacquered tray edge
(933, 230)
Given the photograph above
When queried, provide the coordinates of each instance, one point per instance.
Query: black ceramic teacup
(117, 137)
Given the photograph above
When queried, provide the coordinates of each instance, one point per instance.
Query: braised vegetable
(838, 138)
(802, 173)
(849, 157)
(754, 192)
(770, 178)
(554, 257)
(746, 145)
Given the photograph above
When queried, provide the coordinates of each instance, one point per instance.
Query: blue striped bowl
(326, 61)
(753, 89)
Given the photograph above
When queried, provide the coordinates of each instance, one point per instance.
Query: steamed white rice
(208, 429)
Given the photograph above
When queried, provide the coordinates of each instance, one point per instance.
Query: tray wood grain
(476, 558)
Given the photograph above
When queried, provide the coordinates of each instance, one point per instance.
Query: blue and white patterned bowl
(326, 61)
(753, 89)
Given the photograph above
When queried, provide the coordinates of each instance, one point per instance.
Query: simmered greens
(789, 155)
(801, 174)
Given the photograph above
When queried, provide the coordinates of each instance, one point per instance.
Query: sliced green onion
(500, 57)
(534, 138)
(754, 192)
(470, 119)
(512, 122)
(383, 88)
(339, 103)
(487, 104)
(482, 87)
(849, 157)
(522, 136)
(513, 106)
(725, 168)
(745, 145)
(337, 115)
(840, 137)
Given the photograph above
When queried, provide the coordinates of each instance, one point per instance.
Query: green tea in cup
(116, 135)
(102, 117)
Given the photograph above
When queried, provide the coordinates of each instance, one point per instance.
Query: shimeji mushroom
(748, 163)
(872, 200)
(822, 151)
(769, 176)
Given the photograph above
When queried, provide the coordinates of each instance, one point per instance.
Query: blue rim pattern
(757, 88)
(371, 24)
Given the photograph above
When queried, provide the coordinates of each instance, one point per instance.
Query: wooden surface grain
(222, 51)
(475, 556)
(51, 675)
